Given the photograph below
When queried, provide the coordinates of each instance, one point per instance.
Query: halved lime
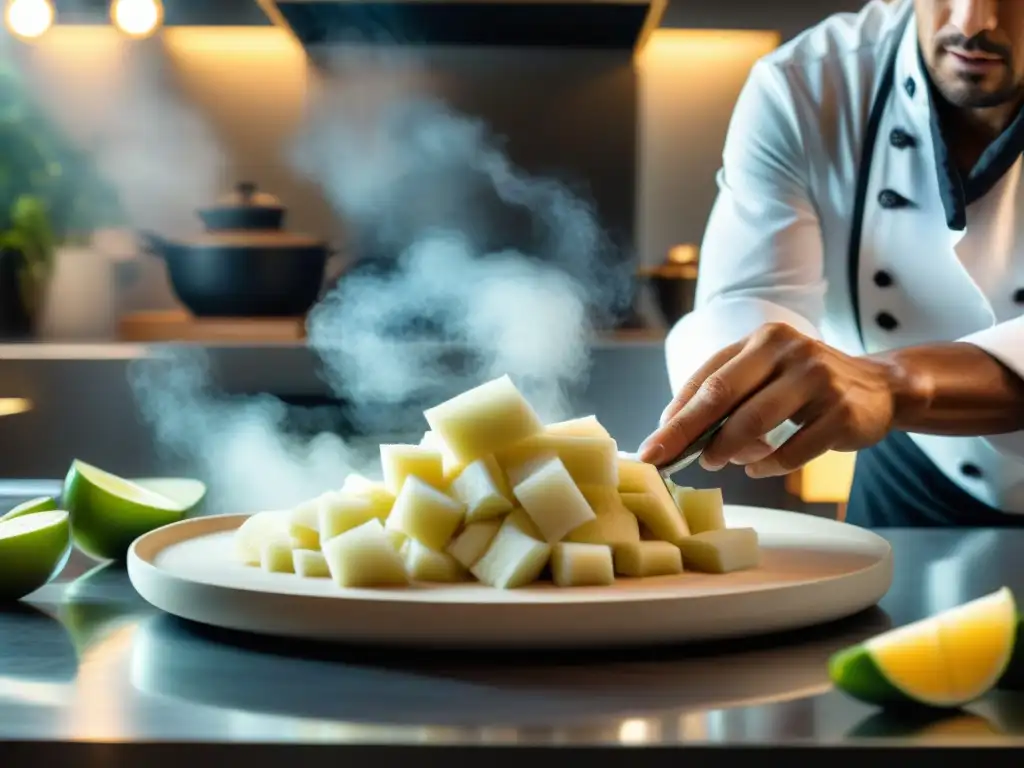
(945, 661)
(33, 549)
(189, 493)
(108, 512)
(42, 504)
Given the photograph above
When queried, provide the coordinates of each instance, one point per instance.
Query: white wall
(688, 84)
(689, 79)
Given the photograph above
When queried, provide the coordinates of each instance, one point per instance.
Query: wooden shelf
(178, 325)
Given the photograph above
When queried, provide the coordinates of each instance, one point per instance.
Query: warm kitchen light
(137, 18)
(708, 47)
(28, 19)
(9, 406)
(683, 254)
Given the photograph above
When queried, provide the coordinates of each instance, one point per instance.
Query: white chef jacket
(928, 268)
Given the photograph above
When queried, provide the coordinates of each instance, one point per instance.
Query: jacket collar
(917, 94)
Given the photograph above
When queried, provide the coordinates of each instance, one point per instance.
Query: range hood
(590, 24)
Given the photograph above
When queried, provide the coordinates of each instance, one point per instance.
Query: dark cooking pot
(245, 208)
(250, 269)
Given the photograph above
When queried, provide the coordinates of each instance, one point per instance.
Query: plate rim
(139, 565)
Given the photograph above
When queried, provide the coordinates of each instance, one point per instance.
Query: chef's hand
(840, 402)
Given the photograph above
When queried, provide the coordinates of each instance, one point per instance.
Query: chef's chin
(976, 90)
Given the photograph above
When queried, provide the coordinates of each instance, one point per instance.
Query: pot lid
(250, 238)
(247, 195)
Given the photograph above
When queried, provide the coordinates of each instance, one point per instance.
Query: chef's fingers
(813, 439)
(689, 389)
(716, 397)
(752, 452)
(780, 399)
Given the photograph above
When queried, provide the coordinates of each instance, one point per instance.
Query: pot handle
(337, 265)
(153, 244)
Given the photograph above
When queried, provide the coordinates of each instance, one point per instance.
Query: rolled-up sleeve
(762, 255)
(1005, 342)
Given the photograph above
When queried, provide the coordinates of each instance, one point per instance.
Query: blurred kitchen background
(625, 102)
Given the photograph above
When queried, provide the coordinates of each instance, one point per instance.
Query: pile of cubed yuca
(493, 494)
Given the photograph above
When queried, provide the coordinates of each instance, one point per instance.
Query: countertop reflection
(87, 660)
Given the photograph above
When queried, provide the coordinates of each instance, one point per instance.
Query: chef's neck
(969, 132)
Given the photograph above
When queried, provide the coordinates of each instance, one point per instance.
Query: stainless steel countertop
(86, 661)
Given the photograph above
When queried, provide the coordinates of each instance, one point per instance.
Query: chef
(862, 274)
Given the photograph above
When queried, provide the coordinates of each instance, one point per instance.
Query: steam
(513, 270)
(161, 158)
(471, 269)
(238, 445)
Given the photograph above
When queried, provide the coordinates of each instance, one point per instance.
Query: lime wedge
(188, 493)
(945, 661)
(42, 504)
(108, 512)
(33, 549)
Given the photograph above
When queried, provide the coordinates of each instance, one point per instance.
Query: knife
(693, 451)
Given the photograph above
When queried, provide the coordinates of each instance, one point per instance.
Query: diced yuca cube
(304, 524)
(603, 499)
(633, 475)
(310, 563)
(423, 564)
(659, 515)
(512, 560)
(484, 420)
(703, 509)
(552, 500)
(648, 558)
(589, 460)
(582, 565)
(722, 551)
(375, 492)
(478, 488)
(426, 514)
(499, 476)
(470, 545)
(654, 505)
(364, 557)
(397, 538)
(402, 461)
(524, 523)
(450, 465)
(257, 529)
(586, 426)
(340, 512)
(355, 482)
(276, 556)
(612, 527)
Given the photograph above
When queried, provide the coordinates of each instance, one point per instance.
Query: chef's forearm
(953, 389)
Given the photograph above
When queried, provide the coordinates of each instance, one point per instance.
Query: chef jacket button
(890, 198)
(970, 470)
(886, 321)
(1018, 296)
(883, 279)
(901, 139)
(910, 87)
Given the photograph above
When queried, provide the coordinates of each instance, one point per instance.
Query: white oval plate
(813, 571)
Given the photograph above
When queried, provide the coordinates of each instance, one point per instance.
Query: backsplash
(177, 119)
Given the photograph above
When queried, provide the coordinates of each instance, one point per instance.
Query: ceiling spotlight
(137, 18)
(29, 19)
